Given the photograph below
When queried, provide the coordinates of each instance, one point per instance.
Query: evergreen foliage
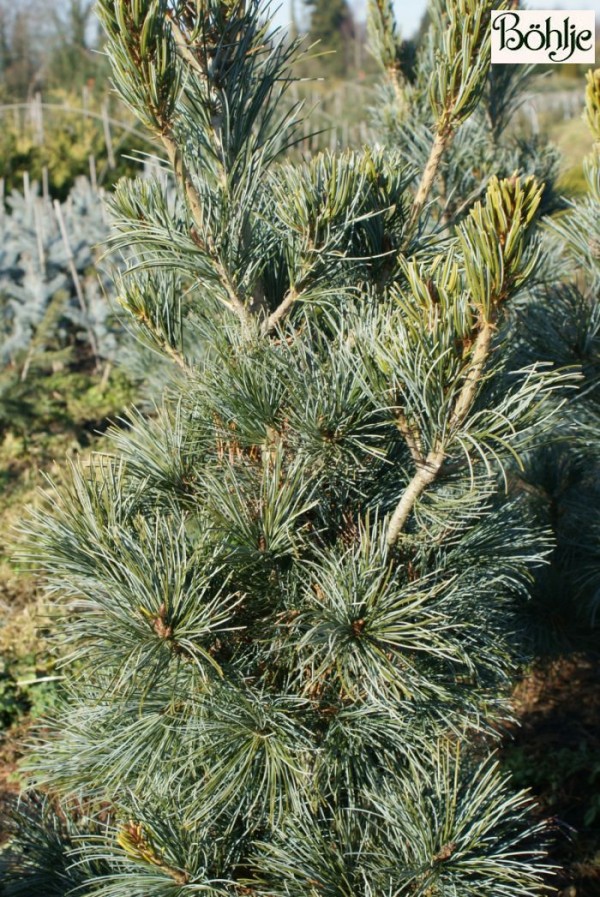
(562, 321)
(297, 594)
(472, 142)
(62, 332)
(51, 297)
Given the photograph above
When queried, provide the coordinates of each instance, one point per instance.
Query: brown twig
(481, 351)
(281, 311)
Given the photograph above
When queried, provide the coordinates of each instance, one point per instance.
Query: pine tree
(294, 597)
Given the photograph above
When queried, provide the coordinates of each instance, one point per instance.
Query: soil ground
(555, 751)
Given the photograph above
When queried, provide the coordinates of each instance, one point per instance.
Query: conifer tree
(293, 597)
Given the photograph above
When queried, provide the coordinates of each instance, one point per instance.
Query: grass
(62, 416)
(572, 137)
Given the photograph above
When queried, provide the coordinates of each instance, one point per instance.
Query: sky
(409, 12)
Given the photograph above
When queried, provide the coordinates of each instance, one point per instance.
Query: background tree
(297, 595)
(60, 120)
(332, 25)
(60, 52)
(74, 57)
(21, 59)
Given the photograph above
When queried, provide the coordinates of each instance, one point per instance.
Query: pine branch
(411, 437)
(455, 88)
(183, 46)
(493, 237)
(164, 344)
(136, 843)
(385, 45)
(234, 303)
(440, 144)
(281, 311)
(294, 294)
(424, 477)
(430, 468)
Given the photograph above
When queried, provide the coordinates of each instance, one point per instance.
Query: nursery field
(299, 459)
